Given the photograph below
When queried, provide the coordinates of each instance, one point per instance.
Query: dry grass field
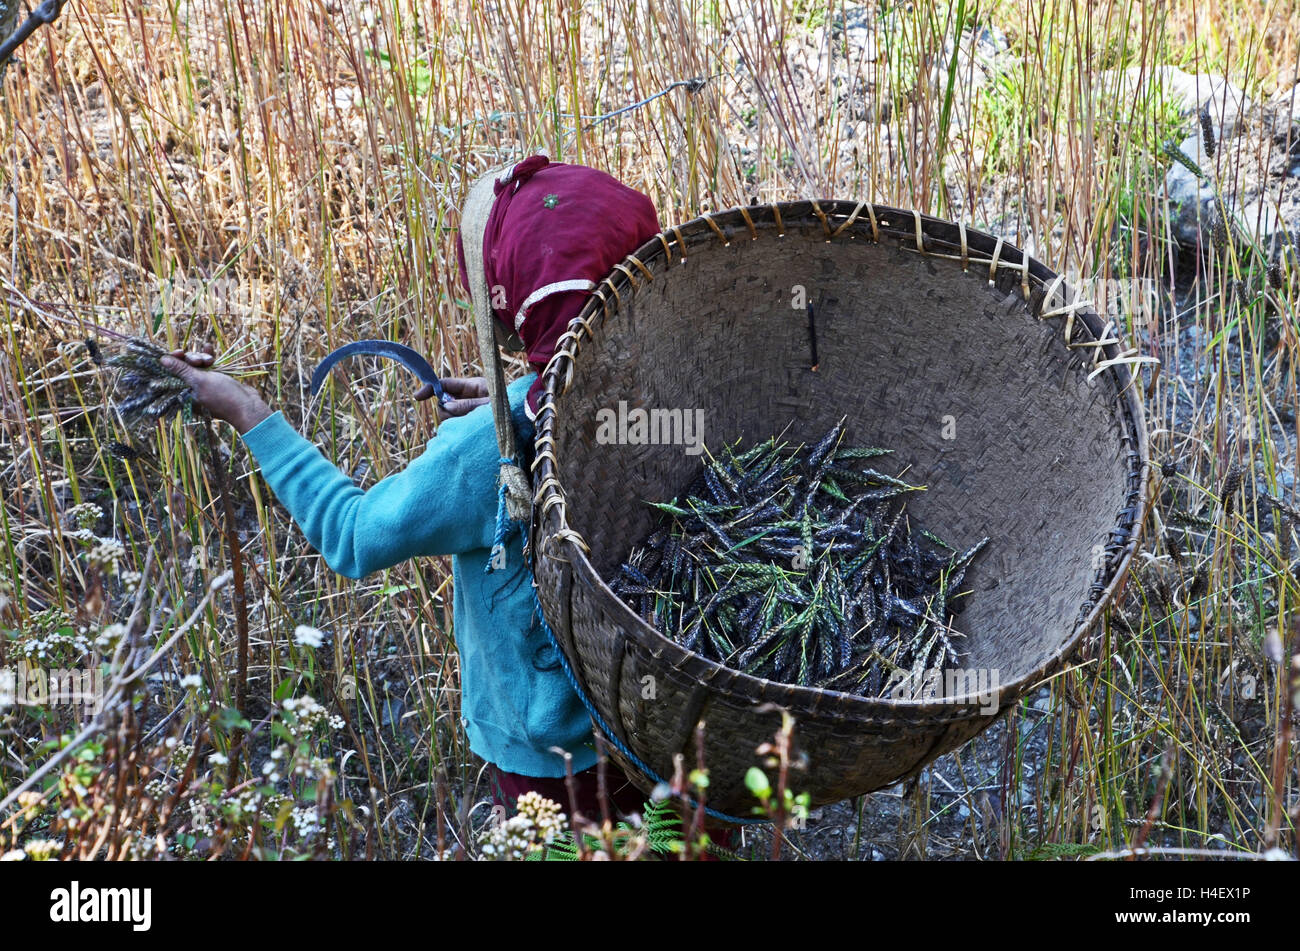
(276, 179)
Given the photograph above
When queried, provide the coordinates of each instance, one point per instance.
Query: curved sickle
(381, 348)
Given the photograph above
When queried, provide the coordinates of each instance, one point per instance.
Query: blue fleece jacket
(515, 698)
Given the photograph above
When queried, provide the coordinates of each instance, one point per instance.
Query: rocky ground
(1239, 169)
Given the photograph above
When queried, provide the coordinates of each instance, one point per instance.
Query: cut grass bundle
(144, 392)
(800, 566)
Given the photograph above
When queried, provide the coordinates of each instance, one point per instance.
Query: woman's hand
(467, 393)
(222, 396)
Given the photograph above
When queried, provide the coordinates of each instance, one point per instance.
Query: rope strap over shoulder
(515, 489)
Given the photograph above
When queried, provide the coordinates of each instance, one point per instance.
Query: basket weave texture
(979, 366)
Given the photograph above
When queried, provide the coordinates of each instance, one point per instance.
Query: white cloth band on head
(546, 290)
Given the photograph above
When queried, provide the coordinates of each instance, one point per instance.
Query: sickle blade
(380, 348)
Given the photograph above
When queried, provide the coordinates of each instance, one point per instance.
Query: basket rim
(913, 231)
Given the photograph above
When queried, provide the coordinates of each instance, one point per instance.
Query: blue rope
(505, 526)
(612, 736)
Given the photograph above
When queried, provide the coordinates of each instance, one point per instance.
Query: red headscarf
(555, 230)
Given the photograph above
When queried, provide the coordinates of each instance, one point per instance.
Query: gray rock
(982, 53)
(1259, 221)
(1225, 103)
(857, 16)
(991, 40)
(879, 110)
(1288, 100)
(855, 131)
(861, 44)
(856, 27)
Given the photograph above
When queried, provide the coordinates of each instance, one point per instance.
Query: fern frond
(563, 848)
(663, 826)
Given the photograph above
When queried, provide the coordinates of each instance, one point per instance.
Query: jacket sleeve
(443, 503)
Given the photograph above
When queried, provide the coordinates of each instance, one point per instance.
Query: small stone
(879, 111)
(861, 43)
(855, 131)
(1288, 100)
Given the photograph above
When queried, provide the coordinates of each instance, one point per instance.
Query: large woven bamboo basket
(980, 367)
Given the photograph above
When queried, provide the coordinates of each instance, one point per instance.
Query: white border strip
(546, 290)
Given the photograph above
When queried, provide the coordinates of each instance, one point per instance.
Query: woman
(553, 231)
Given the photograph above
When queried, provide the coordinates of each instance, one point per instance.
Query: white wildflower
(107, 555)
(305, 821)
(537, 823)
(42, 850)
(85, 515)
(308, 636)
(200, 817)
(108, 637)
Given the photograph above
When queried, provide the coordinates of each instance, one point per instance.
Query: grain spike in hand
(144, 393)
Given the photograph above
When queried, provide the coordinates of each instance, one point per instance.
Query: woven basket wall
(917, 320)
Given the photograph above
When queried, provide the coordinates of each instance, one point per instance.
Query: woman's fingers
(465, 387)
(424, 392)
(466, 393)
(453, 408)
(201, 359)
